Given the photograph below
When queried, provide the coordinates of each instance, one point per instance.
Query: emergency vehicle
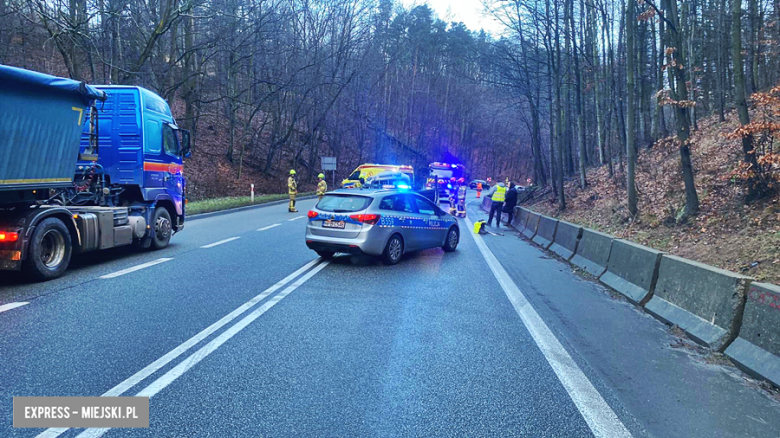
(365, 171)
(444, 173)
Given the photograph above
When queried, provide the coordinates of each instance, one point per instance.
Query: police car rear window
(343, 203)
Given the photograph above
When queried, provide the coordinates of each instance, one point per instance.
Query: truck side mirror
(186, 151)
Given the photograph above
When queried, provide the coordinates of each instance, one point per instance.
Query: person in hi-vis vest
(497, 194)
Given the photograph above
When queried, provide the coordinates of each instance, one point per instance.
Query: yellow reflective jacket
(322, 187)
(292, 186)
(500, 194)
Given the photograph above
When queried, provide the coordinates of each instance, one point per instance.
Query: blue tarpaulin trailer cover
(41, 119)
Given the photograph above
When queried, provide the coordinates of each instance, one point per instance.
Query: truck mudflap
(10, 259)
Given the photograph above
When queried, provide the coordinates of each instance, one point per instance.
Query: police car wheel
(393, 250)
(453, 238)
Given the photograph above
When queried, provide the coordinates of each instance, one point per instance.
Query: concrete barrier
(757, 349)
(632, 270)
(486, 203)
(530, 226)
(545, 231)
(516, 218)
(566, 238)
(592, 252)
(521, 218)
(704, 301)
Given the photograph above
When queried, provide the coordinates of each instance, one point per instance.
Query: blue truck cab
(84, 168)
(139, 152)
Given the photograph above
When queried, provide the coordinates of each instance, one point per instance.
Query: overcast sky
(470, 12)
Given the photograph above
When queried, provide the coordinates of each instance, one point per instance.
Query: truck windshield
(442, 173)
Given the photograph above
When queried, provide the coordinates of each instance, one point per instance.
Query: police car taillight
(370, 219)
(312, 214)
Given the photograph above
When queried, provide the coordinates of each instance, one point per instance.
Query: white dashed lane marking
(268, 227)
(212, 245)
(295, 218)
(9, 306)
(135, 268)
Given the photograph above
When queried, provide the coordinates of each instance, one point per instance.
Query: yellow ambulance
(365, 171)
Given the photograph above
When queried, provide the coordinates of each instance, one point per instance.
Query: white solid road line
(136, 268)
(295, 218)
(166, 379)
(600, 417)
(181, 349)
(10, 306)
(268, 227)
(212, 245)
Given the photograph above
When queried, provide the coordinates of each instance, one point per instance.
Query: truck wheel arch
(167, 203)
(63, 215)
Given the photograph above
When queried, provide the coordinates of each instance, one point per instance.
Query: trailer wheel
(162, 228)
(49, 251)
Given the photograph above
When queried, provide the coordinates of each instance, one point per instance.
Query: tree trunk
(578, 93)
(630, 124)
(680, 92)
(751, 46)
(558, 112)
(739, 93)
(722, 64)
(598, 98)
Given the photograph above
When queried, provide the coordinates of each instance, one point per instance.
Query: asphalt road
(237, 329)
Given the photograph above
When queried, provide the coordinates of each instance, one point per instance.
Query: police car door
(433, 226)
(406, 221)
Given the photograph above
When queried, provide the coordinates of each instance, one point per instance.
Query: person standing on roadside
(497, 194)
(510, 202)
(479, 189)
(292, 190)
(322, 186)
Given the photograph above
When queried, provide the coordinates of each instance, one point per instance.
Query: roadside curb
(246, 207)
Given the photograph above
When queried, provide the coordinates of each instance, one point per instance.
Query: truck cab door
(172, 155)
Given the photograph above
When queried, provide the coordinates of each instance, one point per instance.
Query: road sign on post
(329, 163)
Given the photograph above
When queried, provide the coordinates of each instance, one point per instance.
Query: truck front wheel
(162, 228)
(49, 251)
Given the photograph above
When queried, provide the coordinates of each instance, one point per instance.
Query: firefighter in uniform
(462, 198)
(322, 186)
(292, 190)
(479, 190)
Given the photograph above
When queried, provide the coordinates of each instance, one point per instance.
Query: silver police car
(379, 222)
